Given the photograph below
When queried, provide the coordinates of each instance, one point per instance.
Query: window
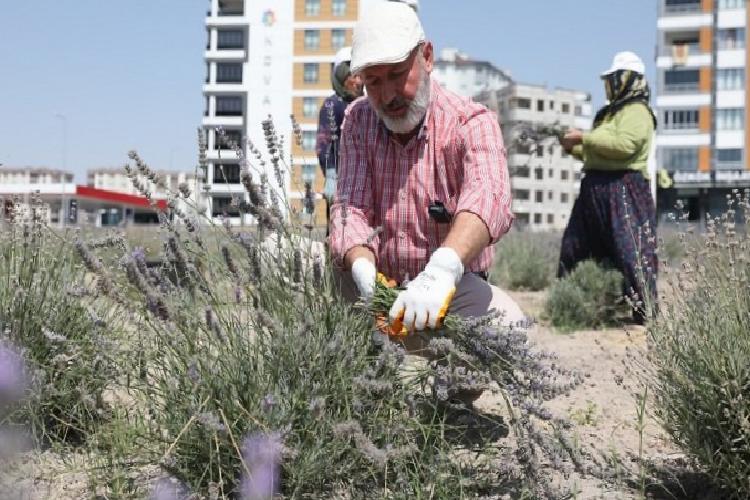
(539, 196)
(338, 38)
(312, 39)
(539, 174)
(521, 103)
(338, 8)
(732, 38)
(680, 119)
(309, 107)
(564, 175)
(730, 119)
(539, 150)
(540, 105)
(521, 194)
(312, 8)
(228, 105)
(229, 140)
(521, 172)
(550, 195)
(731, 4)
(308, 172)
(566, 108)
(231, 39)
(681, 79)
(564, 197)
(229, 72)
(552, 105)
(578, 110)
(685, 159)
(226, 173)
(222, 206)
(730, 79)
(729, 158)
(521, 219)
(308, 140)
(537, 218)
(550, 173)
(311, 73)
(550, 218)
(673, 6)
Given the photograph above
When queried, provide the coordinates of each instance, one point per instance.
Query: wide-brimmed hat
(627, 61)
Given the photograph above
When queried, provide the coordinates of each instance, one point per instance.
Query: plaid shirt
(385, 188)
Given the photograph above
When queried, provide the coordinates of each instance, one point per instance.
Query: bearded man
(424, 191)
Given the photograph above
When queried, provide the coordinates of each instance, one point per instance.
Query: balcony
(679, 7)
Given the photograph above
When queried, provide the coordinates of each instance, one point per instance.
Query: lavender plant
(47, 311)
(589, 297)
(526, 260)
(698, 362)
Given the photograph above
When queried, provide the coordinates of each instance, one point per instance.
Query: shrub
(699, 371)
(64, 334)
(526, 260)
(588, 297)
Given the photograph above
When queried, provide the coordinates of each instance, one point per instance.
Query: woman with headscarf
(614, 217)
(347, 88)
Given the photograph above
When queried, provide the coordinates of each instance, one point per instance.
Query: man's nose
(388, 93)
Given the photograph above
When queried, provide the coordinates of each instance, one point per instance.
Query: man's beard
(417, 108)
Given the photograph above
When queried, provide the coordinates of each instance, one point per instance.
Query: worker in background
(347, 88)
(614, 218)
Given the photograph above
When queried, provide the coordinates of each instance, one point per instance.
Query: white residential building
(465, 76)
(545, 180)
(702, 102)
(270, 58)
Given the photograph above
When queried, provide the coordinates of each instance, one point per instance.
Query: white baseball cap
(386, 34)
(626, 61)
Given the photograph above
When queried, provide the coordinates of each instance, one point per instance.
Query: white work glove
(363, 273)
(329, 188)
(426, 299)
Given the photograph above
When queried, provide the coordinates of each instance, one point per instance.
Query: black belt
(482, 274)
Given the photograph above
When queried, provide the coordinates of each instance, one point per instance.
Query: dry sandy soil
(603, 408)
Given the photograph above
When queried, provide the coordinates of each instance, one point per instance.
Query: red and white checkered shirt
(457, 158)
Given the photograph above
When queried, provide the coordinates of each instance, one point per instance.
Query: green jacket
(621, 141)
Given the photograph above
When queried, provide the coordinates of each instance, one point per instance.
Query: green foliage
(588, 297)
(700, 356)
(64, 336)
(526, 261)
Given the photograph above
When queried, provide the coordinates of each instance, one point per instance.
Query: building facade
(544, 179)
(467, 77)
(270, 58)
(702, 103)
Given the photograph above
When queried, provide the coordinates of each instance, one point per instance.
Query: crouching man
(424, 191)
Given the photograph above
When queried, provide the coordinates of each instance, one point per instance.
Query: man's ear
(428, 53)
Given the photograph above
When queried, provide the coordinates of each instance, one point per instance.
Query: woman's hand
(572, 137)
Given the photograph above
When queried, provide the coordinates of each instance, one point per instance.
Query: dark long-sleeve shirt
(329, 131)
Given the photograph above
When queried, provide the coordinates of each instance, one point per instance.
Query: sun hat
(386, 34)
(628, 61)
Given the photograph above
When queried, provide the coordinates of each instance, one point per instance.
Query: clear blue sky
(128, 73)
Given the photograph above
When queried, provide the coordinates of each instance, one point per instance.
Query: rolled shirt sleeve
(352, 213)
(485, 190)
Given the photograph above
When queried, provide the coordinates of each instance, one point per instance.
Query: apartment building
(544, 179)
(465, 76)
(270, 58)
(702, 102)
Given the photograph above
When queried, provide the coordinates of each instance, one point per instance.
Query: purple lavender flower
(268, 403)
(170, 489)
(13, 376)
(262, 455)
